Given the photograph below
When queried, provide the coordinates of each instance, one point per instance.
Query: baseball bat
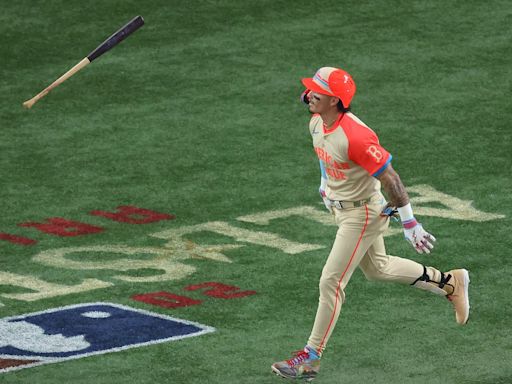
(108, 44)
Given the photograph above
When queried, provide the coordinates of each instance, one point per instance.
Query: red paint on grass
(220, 291)
(133, 215)
(20, 240)
(62, 227)
(170, 300)
(58, 226)
(166, 299)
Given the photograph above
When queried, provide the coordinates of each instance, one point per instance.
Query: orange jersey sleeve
(364, 148)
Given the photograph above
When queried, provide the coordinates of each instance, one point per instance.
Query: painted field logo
(83, 330)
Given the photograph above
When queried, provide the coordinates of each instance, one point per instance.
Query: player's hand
(304, 97)
(390, 211)
(420, 239)
(327, 202)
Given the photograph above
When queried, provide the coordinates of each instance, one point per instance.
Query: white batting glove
(420, 239)
(321, 190)
(327, 202)
(414, 233)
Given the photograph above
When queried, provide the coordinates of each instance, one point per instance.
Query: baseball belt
(348, 204)
(339, 204)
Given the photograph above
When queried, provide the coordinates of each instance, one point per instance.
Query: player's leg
(349, 247)
(377, 265)
(357, 230)
(453, 285)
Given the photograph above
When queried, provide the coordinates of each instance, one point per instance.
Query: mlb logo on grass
(83, 330)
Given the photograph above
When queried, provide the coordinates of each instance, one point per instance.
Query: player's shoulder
(355, 128)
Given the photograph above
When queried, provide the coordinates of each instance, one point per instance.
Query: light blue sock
(312, 352)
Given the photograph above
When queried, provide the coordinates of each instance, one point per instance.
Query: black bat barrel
(117, 37)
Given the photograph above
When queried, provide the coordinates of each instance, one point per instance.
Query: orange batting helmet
(333, 82)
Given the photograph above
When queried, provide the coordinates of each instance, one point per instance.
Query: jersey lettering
(341, 165)
(323, 155)
(336, 174)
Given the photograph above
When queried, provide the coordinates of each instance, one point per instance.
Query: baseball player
(353, 168)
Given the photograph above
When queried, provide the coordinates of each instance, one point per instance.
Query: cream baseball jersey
(351, 156)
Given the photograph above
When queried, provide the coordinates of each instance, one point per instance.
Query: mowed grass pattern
(197, 114)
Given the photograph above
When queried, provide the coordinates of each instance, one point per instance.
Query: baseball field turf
(160, 217)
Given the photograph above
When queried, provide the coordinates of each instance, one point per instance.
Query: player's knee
(329, 286)
(375, 272)
(371, 275)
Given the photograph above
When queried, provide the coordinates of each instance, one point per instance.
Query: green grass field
(197, 115)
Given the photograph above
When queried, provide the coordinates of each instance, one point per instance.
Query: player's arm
(365, 150)
(323, 179)
(393, 186)
(323, 186)
(420, 239)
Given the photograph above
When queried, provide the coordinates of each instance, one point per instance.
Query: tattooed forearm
(393, 187)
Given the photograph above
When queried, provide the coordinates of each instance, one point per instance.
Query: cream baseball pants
(359, 243)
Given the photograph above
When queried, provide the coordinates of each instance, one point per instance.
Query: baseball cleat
(303, 365)
(460, 295)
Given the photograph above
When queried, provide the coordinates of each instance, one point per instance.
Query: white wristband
(405, 213)
(323, 184)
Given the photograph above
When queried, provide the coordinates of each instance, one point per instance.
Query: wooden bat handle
(60, 80)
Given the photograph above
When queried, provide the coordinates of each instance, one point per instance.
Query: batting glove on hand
(390, 211)
(304, 97)
(327, 202)
(420, 239)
